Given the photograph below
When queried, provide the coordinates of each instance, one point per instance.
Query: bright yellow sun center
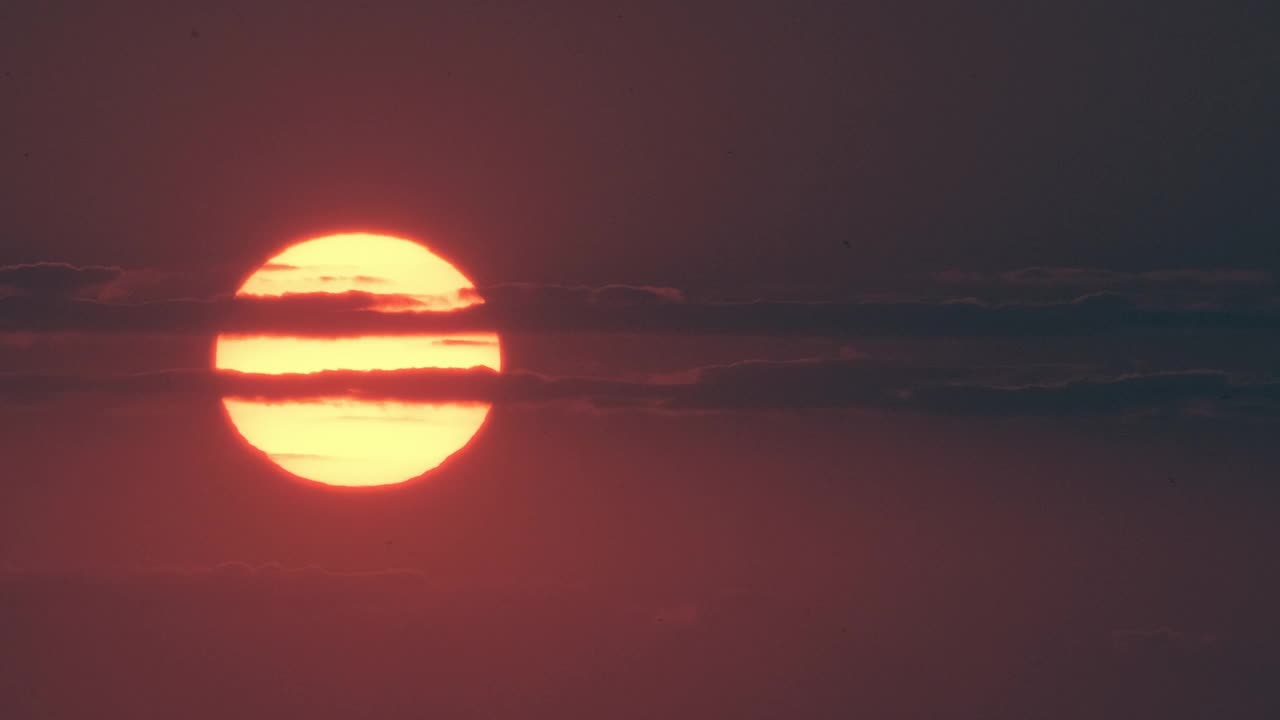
(343, 440)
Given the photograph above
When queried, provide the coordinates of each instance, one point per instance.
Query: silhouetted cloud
(312, 313)
(635, 310)
(559, 295)
(53, 278)
(464, 342)
(753, 385)
(356, 279)
(1101, 278)
(1211, 286)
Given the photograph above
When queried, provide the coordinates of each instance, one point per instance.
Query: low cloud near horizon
(51, 297)
(755, 385)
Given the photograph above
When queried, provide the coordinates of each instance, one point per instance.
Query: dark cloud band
(54, 278)
(634, 311)
(794, 385)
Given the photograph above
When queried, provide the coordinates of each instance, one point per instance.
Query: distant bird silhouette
(846, 244)
(1171, 481)
(195, 34)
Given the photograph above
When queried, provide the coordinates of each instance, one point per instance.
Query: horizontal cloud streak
(757, 385)
(54, 278)
(1212, 287)
(635, 310)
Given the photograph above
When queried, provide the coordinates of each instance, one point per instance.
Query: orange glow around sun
(341, 440)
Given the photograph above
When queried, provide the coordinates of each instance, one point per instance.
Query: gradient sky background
(975, 305)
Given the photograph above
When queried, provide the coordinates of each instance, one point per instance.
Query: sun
(342, 440)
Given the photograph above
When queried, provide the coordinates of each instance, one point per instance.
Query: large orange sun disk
(342, 440)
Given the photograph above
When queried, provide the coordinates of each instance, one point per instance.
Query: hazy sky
(861, 359)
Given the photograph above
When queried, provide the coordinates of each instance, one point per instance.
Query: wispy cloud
(54, 278)
(755, 385)
(551, 310)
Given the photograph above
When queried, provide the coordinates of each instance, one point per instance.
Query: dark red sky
(975, 303)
